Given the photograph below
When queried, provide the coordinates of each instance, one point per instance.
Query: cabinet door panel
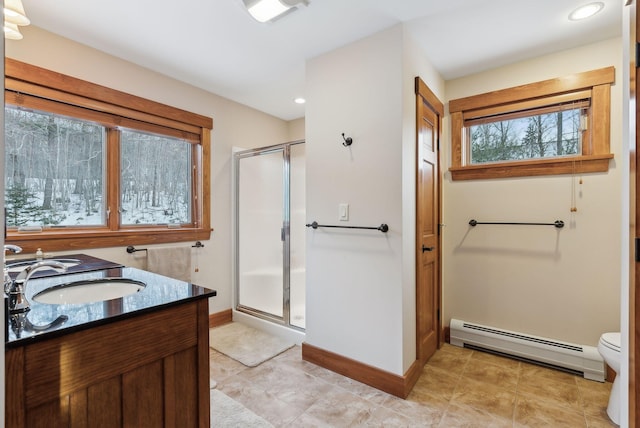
(142, 403)
(53, 414)
(104, 404)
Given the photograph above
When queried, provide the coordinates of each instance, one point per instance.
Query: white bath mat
(245, 344)
(227, 412)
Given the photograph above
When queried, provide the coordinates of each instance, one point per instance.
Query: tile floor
(458, 388)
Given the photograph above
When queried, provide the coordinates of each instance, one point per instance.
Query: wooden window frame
(595, 157)
(57, 93)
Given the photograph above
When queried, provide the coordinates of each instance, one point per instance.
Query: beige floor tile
(485, 397)
(467, 417)
(600, 422)
(447, 347)
(503, 376)
(222, 367)
(487, 357)
(436, 382)
(284, 382)
(595, 396)
(452, 359)
(535, 373)
(533, 412)
(555, 389)
(426, 413)
(340, 408)
(308, 421)
(386, 418)
(458, 388)
(360, 389)
(262, 403)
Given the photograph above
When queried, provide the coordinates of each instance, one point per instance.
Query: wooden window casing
(594, 86)
(36, 88)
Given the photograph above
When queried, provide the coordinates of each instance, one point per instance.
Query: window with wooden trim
(87, 166)
(557, 126)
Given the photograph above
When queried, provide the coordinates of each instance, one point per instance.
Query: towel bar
(382, 228)
(558, 223)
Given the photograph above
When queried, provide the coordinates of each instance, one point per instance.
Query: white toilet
(609, 348)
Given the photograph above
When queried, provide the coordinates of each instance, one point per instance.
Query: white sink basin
(88, 291)
(20, 266)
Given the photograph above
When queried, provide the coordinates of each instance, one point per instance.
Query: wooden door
(428, 288)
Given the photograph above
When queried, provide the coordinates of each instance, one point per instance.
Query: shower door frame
(285, 148)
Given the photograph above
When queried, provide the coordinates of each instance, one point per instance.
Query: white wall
(563, 284)
(414, 64)
(354, 277)
(296, 129)
(361, 284)
(230, 128)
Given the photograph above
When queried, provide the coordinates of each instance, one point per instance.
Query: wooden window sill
(539, 167)
(82, 239)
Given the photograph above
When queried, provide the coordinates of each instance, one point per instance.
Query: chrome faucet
(17, 288)
(19, 305)
(15, 250)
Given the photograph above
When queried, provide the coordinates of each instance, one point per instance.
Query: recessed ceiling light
(299, 100)
(586, 11)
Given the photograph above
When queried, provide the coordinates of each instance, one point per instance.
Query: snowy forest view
(532, 137)
(55, 173)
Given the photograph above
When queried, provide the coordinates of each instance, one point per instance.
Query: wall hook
(347, 141)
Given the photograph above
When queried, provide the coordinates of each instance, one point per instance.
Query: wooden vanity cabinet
(149, 370)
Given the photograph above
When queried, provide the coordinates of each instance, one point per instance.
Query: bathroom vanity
(141, 360)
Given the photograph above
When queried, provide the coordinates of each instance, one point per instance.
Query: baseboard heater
(579, 359)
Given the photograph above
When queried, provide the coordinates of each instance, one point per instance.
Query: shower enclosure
(269, 233)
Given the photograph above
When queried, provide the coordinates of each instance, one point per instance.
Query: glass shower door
(260, 232)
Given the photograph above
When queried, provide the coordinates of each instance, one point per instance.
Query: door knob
(427, 248)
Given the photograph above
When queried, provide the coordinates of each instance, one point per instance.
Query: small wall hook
(347, 141)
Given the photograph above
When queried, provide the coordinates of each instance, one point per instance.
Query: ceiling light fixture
(13, 16)
(586, 11)
(270, 10)
(299, 100)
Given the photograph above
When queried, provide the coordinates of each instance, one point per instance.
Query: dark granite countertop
(160, 292)
(87, 263)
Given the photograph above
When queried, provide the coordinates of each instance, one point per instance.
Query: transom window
(87, 166)
(537, 134)
(558, 126)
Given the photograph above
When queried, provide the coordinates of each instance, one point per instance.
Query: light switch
(343, 212)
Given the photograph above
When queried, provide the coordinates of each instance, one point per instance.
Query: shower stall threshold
(279, 330)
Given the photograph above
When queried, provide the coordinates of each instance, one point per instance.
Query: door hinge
(637, 255)
(637, 54)
(438, 314)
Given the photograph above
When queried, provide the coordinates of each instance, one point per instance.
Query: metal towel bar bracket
(558, 223)
(382, 228)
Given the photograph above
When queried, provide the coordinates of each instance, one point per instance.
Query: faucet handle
(13, 248)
